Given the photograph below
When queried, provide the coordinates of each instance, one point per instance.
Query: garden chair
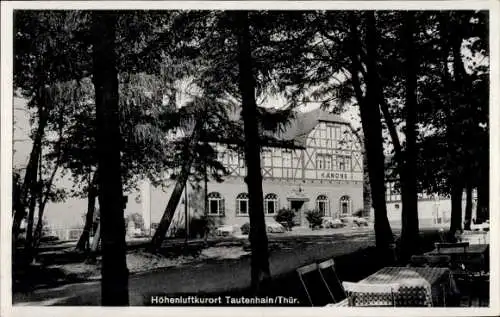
(440, 246)
(442, 236)
(370, 295)
(332, 282)
(418, 261)
(315, 289)
(473, 280)
(438, 260)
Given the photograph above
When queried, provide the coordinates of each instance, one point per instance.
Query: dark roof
(293, 134)
(298, 128)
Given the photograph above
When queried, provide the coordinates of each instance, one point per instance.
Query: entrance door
(296, 205)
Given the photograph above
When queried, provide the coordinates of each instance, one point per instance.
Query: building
(433, 210)
(319, 168)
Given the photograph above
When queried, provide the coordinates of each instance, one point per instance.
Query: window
(233, 158)
(319, 161)
(270, 204)
(324, 162)
(328, 162)
(344, 162)
(287, 158)
(345, 205)
(242, 204)
(215, 204)
(241, 160)
(338, 136)
(322, 205)
(267, 157)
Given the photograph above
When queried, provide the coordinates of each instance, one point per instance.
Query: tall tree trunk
(372, 130)
(450, 102)
(114, 285)
(83, 241)
(35, 193)
(41, 207)
(180, 184)
(483, 197)
(409, 217)
(367, 196)
(44, 196)
(30, 176)
(257, 236)
(468, 206)
(456, 207)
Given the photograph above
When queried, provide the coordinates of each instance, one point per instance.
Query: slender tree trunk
(468, 206)
(410, 231)
(114, 285)
(456, 207)
(483, 199)
(91, 256)
(83, 241)
(450, 102)
(180, 184)
(257, 236)
(372, 130)
(30, 176)
(35, 193)
(41, 207)
(367, 197)
(205, 200)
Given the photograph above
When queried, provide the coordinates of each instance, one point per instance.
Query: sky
(22, 142)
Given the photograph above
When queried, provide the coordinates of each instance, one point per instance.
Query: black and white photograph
(269, 156)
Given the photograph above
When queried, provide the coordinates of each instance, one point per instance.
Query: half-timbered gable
(325, 148)
(333, 153)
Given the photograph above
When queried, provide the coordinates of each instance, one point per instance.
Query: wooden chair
(370, 295)
(315, 289)
(332, 282)
(439, 245)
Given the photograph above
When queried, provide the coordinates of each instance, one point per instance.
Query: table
(479, 252)
(475, 237)
(419, 286)
(472, 249)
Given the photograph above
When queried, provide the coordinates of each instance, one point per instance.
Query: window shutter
(222, 207)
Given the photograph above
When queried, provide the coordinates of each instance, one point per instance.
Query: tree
(454, 103)
(83, 241)
(43, 56)
(178, 189)
(257, 235)
(409, 218)
(114, 285)
(323, 57)
(372, 127)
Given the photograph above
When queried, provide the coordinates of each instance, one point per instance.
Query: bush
(315, 218)
(245, 228)
(285, 217)
(359, 213)
(198, 227)
(180, 233)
